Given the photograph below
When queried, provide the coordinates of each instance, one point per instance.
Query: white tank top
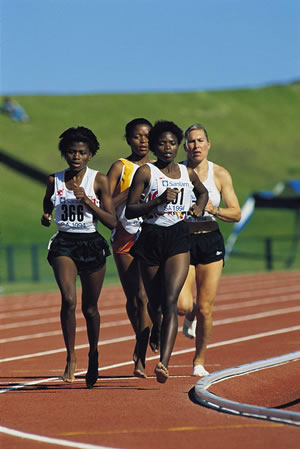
(130, 225)
(213, 195)
(71, 215)
(173, 212)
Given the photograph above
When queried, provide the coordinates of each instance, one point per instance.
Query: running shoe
(200, 371)
(189, 328)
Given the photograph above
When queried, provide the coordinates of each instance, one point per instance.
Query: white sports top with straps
(168, 214)
(213, 195)
(71, 215)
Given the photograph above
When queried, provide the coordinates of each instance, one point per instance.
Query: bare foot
(69, 374)
(139, 369)
(161, 372)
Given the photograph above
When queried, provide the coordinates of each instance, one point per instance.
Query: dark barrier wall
(23, 168)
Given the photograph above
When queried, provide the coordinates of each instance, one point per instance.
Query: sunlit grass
(254, 134)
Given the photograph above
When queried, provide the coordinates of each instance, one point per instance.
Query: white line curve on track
(224, 297)
(56, 441)
(218, 403)
(182, 351)
(118, 340)
(66, 443)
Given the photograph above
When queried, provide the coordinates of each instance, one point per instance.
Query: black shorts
(207, 248)
(157, 243)
(88, 251)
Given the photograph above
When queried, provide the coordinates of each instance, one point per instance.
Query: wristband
(218, 211)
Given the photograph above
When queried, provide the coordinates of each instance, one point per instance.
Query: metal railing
(24, 262)
(28, 262)
(273, 250)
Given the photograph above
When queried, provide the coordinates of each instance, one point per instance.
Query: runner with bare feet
(80, 198)
(120, 176)
(161, 193)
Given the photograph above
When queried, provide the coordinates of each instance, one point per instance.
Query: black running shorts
(87, 250)
(157, 243)
(207, 248)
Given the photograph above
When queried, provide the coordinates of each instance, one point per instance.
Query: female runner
(207, 244)
(80, 197)
(124, 235)
(161, 193)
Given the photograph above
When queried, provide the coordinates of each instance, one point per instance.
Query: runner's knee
(204, 310)
(90, 311)
(68, 303)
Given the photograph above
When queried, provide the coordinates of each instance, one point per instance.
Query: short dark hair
(160, 127)
(79, 134)
(129, 129)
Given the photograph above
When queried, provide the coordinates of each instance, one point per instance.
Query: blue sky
(103, 46)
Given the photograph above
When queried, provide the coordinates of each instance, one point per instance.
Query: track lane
(134, 401)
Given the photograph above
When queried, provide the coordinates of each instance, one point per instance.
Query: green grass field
(254, 133)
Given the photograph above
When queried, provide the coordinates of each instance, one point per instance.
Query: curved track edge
(210, 400)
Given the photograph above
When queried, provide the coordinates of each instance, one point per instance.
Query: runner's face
(166, 147)
(77, 156)
(139, 140)
(197, 145)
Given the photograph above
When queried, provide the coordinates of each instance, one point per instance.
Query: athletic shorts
(157, 243)
(88, 251)
(121, 240)
(207, 248)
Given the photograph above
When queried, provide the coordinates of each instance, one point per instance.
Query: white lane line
(56, 319)
(122, 322)
(58, 332)
(47, 310)
(180, 352)
(59, 442)
(104, 379)
(29, 312)
(257, 280)
(251, 293)
(218, 403)
(258, 302)
(29, 323)
(256, 316)
(225, 292)
(56, 441)
(261, 335)
(56, 351)
(228, 282)
(217, 307)
(215, 323)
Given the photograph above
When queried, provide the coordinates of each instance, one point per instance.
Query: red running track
(256, 317)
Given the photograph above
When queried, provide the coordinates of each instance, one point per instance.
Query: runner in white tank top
(163, 245)
(168, 214)
(207, 244)
(71, 214)
(80, 197)
(213, 195)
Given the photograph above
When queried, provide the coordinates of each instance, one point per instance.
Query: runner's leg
(65, 272)
(175, 272)
(91, 288)
(207, 279)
